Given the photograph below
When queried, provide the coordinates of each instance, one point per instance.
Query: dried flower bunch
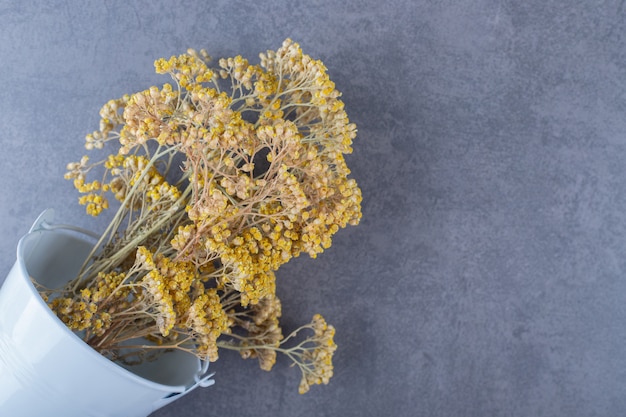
(221, 178)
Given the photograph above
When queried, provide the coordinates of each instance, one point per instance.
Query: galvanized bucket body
(47, 370)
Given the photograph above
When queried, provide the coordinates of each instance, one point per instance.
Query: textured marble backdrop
(487, 276)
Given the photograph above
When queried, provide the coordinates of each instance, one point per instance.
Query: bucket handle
(200, 381)
(45, 222)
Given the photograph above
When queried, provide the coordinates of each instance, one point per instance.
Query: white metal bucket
(46, 370)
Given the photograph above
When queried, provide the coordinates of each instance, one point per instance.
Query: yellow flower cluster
(318, 359)
(148, 115)
(207, 321)
(189, 69)
(254, 224)
(313, 356)
(93, 308)
(76, 314)
(132, 179)
(264, 334)
(220, 177)
(178, 300)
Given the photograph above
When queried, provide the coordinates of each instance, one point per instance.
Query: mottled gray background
(487, 276)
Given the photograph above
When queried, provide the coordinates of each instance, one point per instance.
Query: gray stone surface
(487, 276)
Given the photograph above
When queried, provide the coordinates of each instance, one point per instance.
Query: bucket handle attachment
(200, 381)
